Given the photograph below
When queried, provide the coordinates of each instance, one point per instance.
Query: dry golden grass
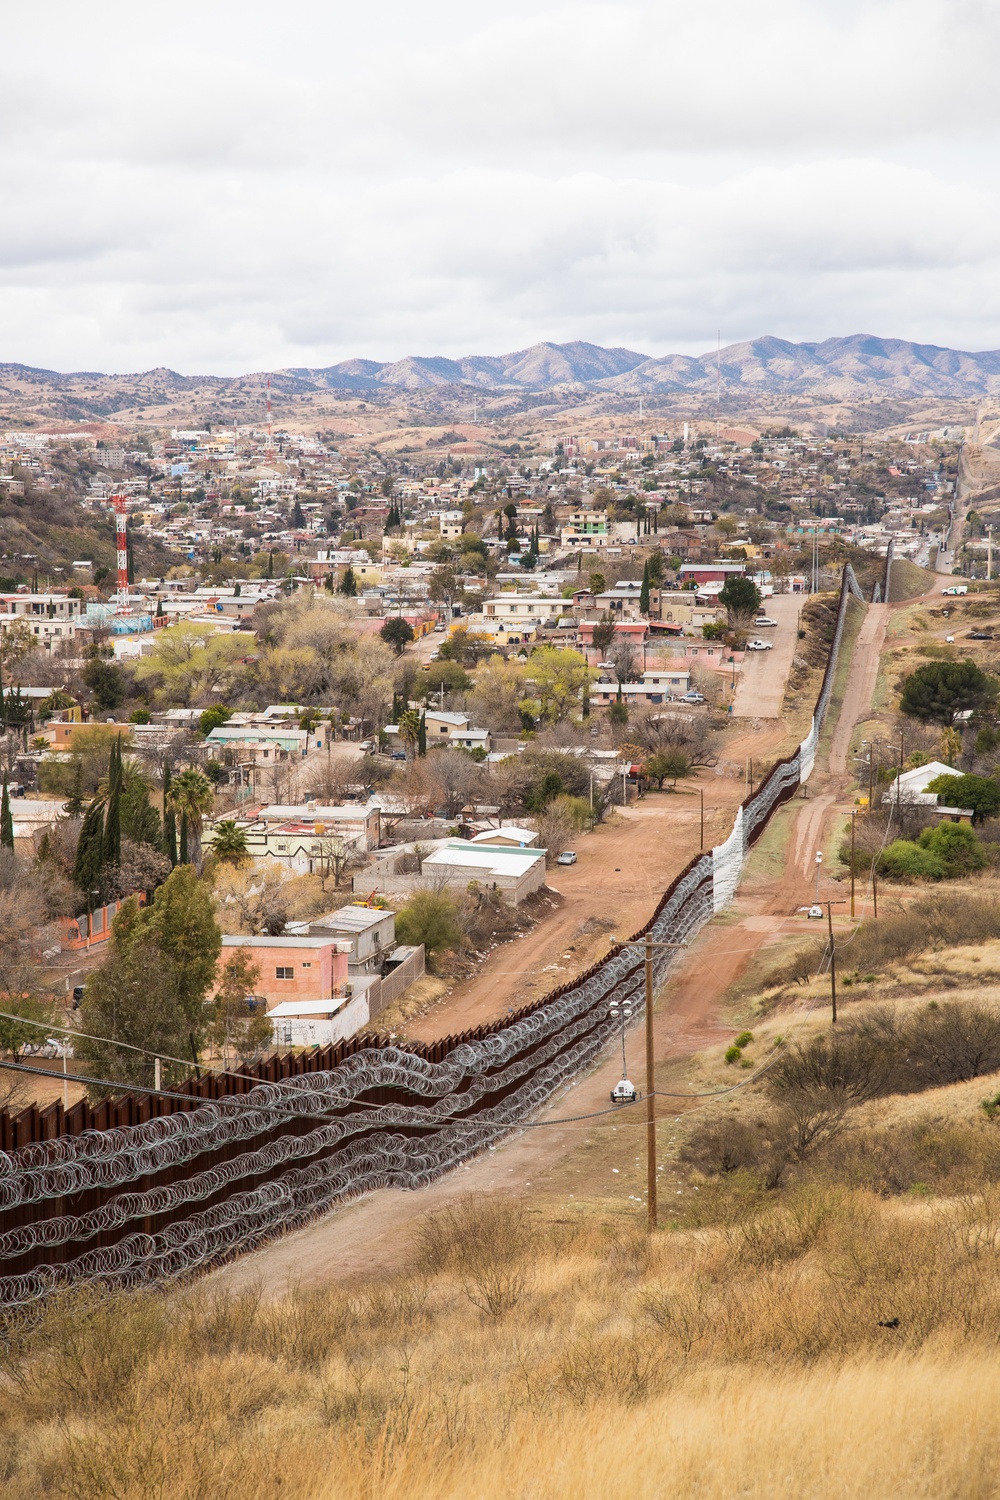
(741, 1354)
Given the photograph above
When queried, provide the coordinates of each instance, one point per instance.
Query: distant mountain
(842, 368)
(539, 368)
(837, 367)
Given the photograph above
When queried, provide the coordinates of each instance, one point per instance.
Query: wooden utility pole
(833, 955)
(853, 816)
(650, 1090)
(701, 794)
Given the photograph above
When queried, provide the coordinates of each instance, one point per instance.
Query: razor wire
(316, 1139)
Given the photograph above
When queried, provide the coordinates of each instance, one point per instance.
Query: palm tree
(230, 843)
(409, 729)
(190, 797)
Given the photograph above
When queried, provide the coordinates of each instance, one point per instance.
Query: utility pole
(701, 839)
(833, 954)
(854, 814)
(875, 888)
(650, 1090)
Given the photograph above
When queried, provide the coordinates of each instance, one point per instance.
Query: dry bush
(488, 1244)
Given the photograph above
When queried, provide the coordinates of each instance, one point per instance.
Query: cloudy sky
(222, 187)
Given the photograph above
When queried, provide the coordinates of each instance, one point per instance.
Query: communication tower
(121, 536)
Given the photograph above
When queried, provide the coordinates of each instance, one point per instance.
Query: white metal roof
(484, 857)
(511, 831)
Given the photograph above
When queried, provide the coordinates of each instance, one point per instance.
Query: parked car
(693, 697)
(979, 635)
(957, 588)
(567, 857)
(760, 645)
(606, 666)
(763, 622)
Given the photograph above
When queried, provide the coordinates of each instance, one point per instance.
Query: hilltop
(836, 369)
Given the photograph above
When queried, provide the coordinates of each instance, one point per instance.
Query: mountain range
(835, 369)
(840, 366)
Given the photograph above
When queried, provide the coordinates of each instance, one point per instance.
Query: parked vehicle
(692, 697)
(979, 635)
(760, 645)
(763, 622)
(567, 857)
(957, 588)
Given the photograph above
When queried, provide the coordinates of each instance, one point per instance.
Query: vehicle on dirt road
(764, 622)
(567, 857)
(692, 697)
(760, 645)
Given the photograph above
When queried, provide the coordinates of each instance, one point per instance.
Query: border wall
(146, 1187)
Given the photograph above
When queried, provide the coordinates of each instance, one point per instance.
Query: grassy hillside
(827, 1329)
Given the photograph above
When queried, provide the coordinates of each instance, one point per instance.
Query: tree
(214, 718)
(6, 820)
(409, 729)
(106, 682)
(348, 585)
(75, 804)
(17, 1035)
(422, 735)
(191, 796)
(140, 867)
(133, 1000)
(957, 847)
(397, 633)
(604, 633)
(239, 1022)
(112, 845)
(229, 843)
(337, 854)
(89, 863)
(597, 583)
(431, 918)
(980, 793)
(169, 820)
(667, 764)
(644, 590)
(939, 690)
(740, 597)
(556, 679)
(442, 674)
(252, 901)
(181, 922)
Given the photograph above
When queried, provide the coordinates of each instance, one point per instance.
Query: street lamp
(819, 863)
(622, 1010)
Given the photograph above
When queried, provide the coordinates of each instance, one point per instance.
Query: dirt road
(621, 871)
(761, 688)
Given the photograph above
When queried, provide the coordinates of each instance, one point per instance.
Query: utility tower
(121, 537)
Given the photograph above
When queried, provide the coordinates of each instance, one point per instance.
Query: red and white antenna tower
(121, 522)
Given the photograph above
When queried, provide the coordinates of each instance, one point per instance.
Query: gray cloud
(243, 188)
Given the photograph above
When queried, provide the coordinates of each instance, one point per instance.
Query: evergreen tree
(169, 821)
(75, 805)
(6, 821)
(89, 861)
(348, 585)
(270, 565)
(112, 850)
(422, 735)
(644, 591)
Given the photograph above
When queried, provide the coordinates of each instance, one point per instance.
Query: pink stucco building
(293, 968)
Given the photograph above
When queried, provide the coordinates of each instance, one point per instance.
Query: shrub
(429, 918)
(744, 1039)
(956, 846)
(733, 1054)
(903, 860)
